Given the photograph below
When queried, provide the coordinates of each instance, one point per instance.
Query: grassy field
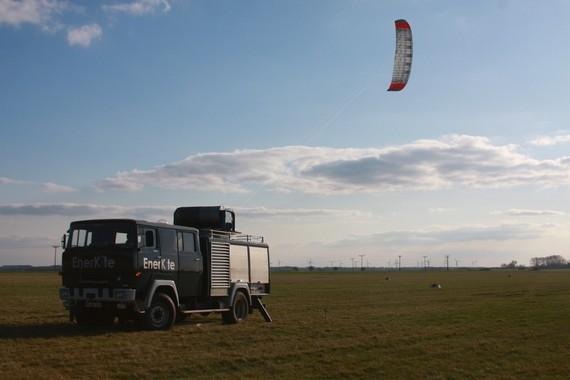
(506, 325)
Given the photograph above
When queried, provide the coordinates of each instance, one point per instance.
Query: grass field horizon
(480, 324)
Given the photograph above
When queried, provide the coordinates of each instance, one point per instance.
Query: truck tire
(239, 310)
(161, 314)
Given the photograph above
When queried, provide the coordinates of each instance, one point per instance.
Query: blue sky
(279, 109)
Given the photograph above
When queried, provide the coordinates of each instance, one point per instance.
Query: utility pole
(55, 247)
(425, 262)
(399, 262)
(352, 259)
(447, 262)
(361, 262)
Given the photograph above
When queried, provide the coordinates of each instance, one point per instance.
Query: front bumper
(73, 295)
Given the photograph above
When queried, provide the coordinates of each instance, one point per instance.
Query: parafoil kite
(403, 57)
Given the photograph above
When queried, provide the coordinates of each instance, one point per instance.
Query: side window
(121, 238)
(149, 239)
(168, 240)
(189, 242)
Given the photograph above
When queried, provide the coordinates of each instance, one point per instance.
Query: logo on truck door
(97, 262)
(159, 264)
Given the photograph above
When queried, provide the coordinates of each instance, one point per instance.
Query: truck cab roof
(134, 221)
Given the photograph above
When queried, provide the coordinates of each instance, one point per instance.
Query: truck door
(168, 253)
(191, 265)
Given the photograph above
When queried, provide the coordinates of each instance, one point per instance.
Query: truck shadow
(66, 329)
(52, 330)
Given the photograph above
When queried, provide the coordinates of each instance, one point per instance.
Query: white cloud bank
(85, 210)
(550, 140)
(50, 187)
(446, 235)
(488, 243)
(18, 242)
(11, 181)
(152, 212)
(528, 212)
(47, 187)
(139, 7)
(84, 35)
(455, 160)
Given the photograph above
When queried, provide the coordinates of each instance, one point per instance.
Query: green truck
(158, 273)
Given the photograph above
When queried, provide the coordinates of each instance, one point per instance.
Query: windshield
(98, 235)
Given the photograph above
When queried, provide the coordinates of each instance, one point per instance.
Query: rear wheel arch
(241, 288)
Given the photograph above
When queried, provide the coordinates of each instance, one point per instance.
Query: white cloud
(48, 15)
(20, 242)
(455, 160)
(37, 12)
(263, 212)
(528, 212)
(550, 140)
(446, 235)
(138, 7)
(87, 210)
(50, 187)
(84, 35)
(11, 181)
(47, 187)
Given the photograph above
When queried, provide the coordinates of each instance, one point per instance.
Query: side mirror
(63, 241)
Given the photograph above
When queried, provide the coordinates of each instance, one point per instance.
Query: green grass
(341, 325)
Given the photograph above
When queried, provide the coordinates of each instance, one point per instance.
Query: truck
(159, 273)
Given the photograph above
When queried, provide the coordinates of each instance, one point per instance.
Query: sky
(279, 110)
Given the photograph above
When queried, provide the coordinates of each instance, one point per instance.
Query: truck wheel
(161, 313)
(238, 311)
